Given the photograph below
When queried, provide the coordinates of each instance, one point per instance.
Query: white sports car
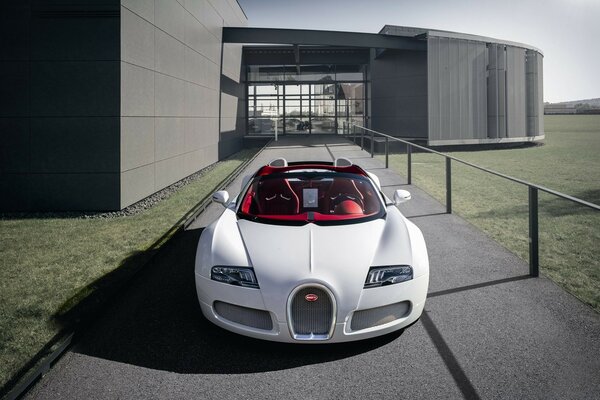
(312, 252)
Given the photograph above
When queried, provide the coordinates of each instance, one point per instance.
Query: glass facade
(308, 99)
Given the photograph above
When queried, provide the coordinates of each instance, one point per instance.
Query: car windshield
(323, 197)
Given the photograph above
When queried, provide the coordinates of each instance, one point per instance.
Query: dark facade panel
(73, 192)
(89, 31)
(399, 93)
(15, 96)
(60, 107)
(75, 88)
(75, 145)
(59, 192)
(285, 55)
(14, 146)
(15, 22)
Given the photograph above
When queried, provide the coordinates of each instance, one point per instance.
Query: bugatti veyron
(312, 252)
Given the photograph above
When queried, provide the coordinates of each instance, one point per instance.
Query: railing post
(409, 167)
(354, 134)
(448, 185)
(362, 139)
(534, 261)
(387, 153)
(372, 143)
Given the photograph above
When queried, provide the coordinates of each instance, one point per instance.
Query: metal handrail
(532, 187)
(510, 178)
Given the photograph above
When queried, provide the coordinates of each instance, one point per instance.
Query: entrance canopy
(321, 38)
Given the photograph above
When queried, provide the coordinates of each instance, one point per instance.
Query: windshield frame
(310, 171)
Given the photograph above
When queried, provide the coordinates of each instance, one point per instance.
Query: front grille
(251, 317)
(363, 319)
(311, 320)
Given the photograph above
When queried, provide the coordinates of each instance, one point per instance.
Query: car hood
(338, 257)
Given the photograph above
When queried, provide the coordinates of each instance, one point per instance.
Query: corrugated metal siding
(480, 90)
(456, 89)
(534, 93)
(496, 91)
(515, 92)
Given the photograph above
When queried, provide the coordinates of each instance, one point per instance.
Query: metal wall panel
(534, 93)
(496, 91)
(173, 52)
(456, 89)
(515, 92)
(399, 93)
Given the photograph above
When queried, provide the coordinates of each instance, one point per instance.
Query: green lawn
(48, 265)
(568, 162)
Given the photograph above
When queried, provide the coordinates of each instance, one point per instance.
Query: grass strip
(49, 267)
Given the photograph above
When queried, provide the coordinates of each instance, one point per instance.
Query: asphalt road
(488, 331)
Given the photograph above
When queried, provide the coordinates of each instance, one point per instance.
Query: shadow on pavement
(157, 323)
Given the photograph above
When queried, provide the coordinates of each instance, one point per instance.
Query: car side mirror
(401, 196)
(221, 197)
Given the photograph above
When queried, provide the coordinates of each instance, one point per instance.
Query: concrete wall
(59, 105)
(170, 90)
(233, 101)
(398, 95)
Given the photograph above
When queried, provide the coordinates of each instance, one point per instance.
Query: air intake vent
(311, 312)
(363, 319)
(251, 317)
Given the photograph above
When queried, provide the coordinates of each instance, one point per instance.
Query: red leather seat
(276, 197)
(340, 190)
(348, 207)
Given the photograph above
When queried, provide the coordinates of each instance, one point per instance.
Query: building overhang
(320, 38)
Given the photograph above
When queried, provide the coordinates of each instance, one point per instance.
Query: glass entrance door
(322, 108)
(304, 104)
(297, 108)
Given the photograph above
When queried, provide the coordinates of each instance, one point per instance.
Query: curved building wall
(482, 92)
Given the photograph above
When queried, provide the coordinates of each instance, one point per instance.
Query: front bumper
(412, 293)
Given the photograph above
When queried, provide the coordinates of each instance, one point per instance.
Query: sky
(566, 31)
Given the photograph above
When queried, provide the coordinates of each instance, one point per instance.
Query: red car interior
(330, 197)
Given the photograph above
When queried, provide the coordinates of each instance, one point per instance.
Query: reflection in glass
(322, 108)
(323, 125)
(260, 125)
(323, 73)
(351, 107)
(344, 125)
(321, 105)
(266, 73)
(354, 90)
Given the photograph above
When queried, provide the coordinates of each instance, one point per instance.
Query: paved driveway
(488, 330)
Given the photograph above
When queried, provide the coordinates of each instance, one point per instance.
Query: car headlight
(239, 276)
(382, 276)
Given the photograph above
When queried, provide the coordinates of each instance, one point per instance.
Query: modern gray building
(104, 102)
